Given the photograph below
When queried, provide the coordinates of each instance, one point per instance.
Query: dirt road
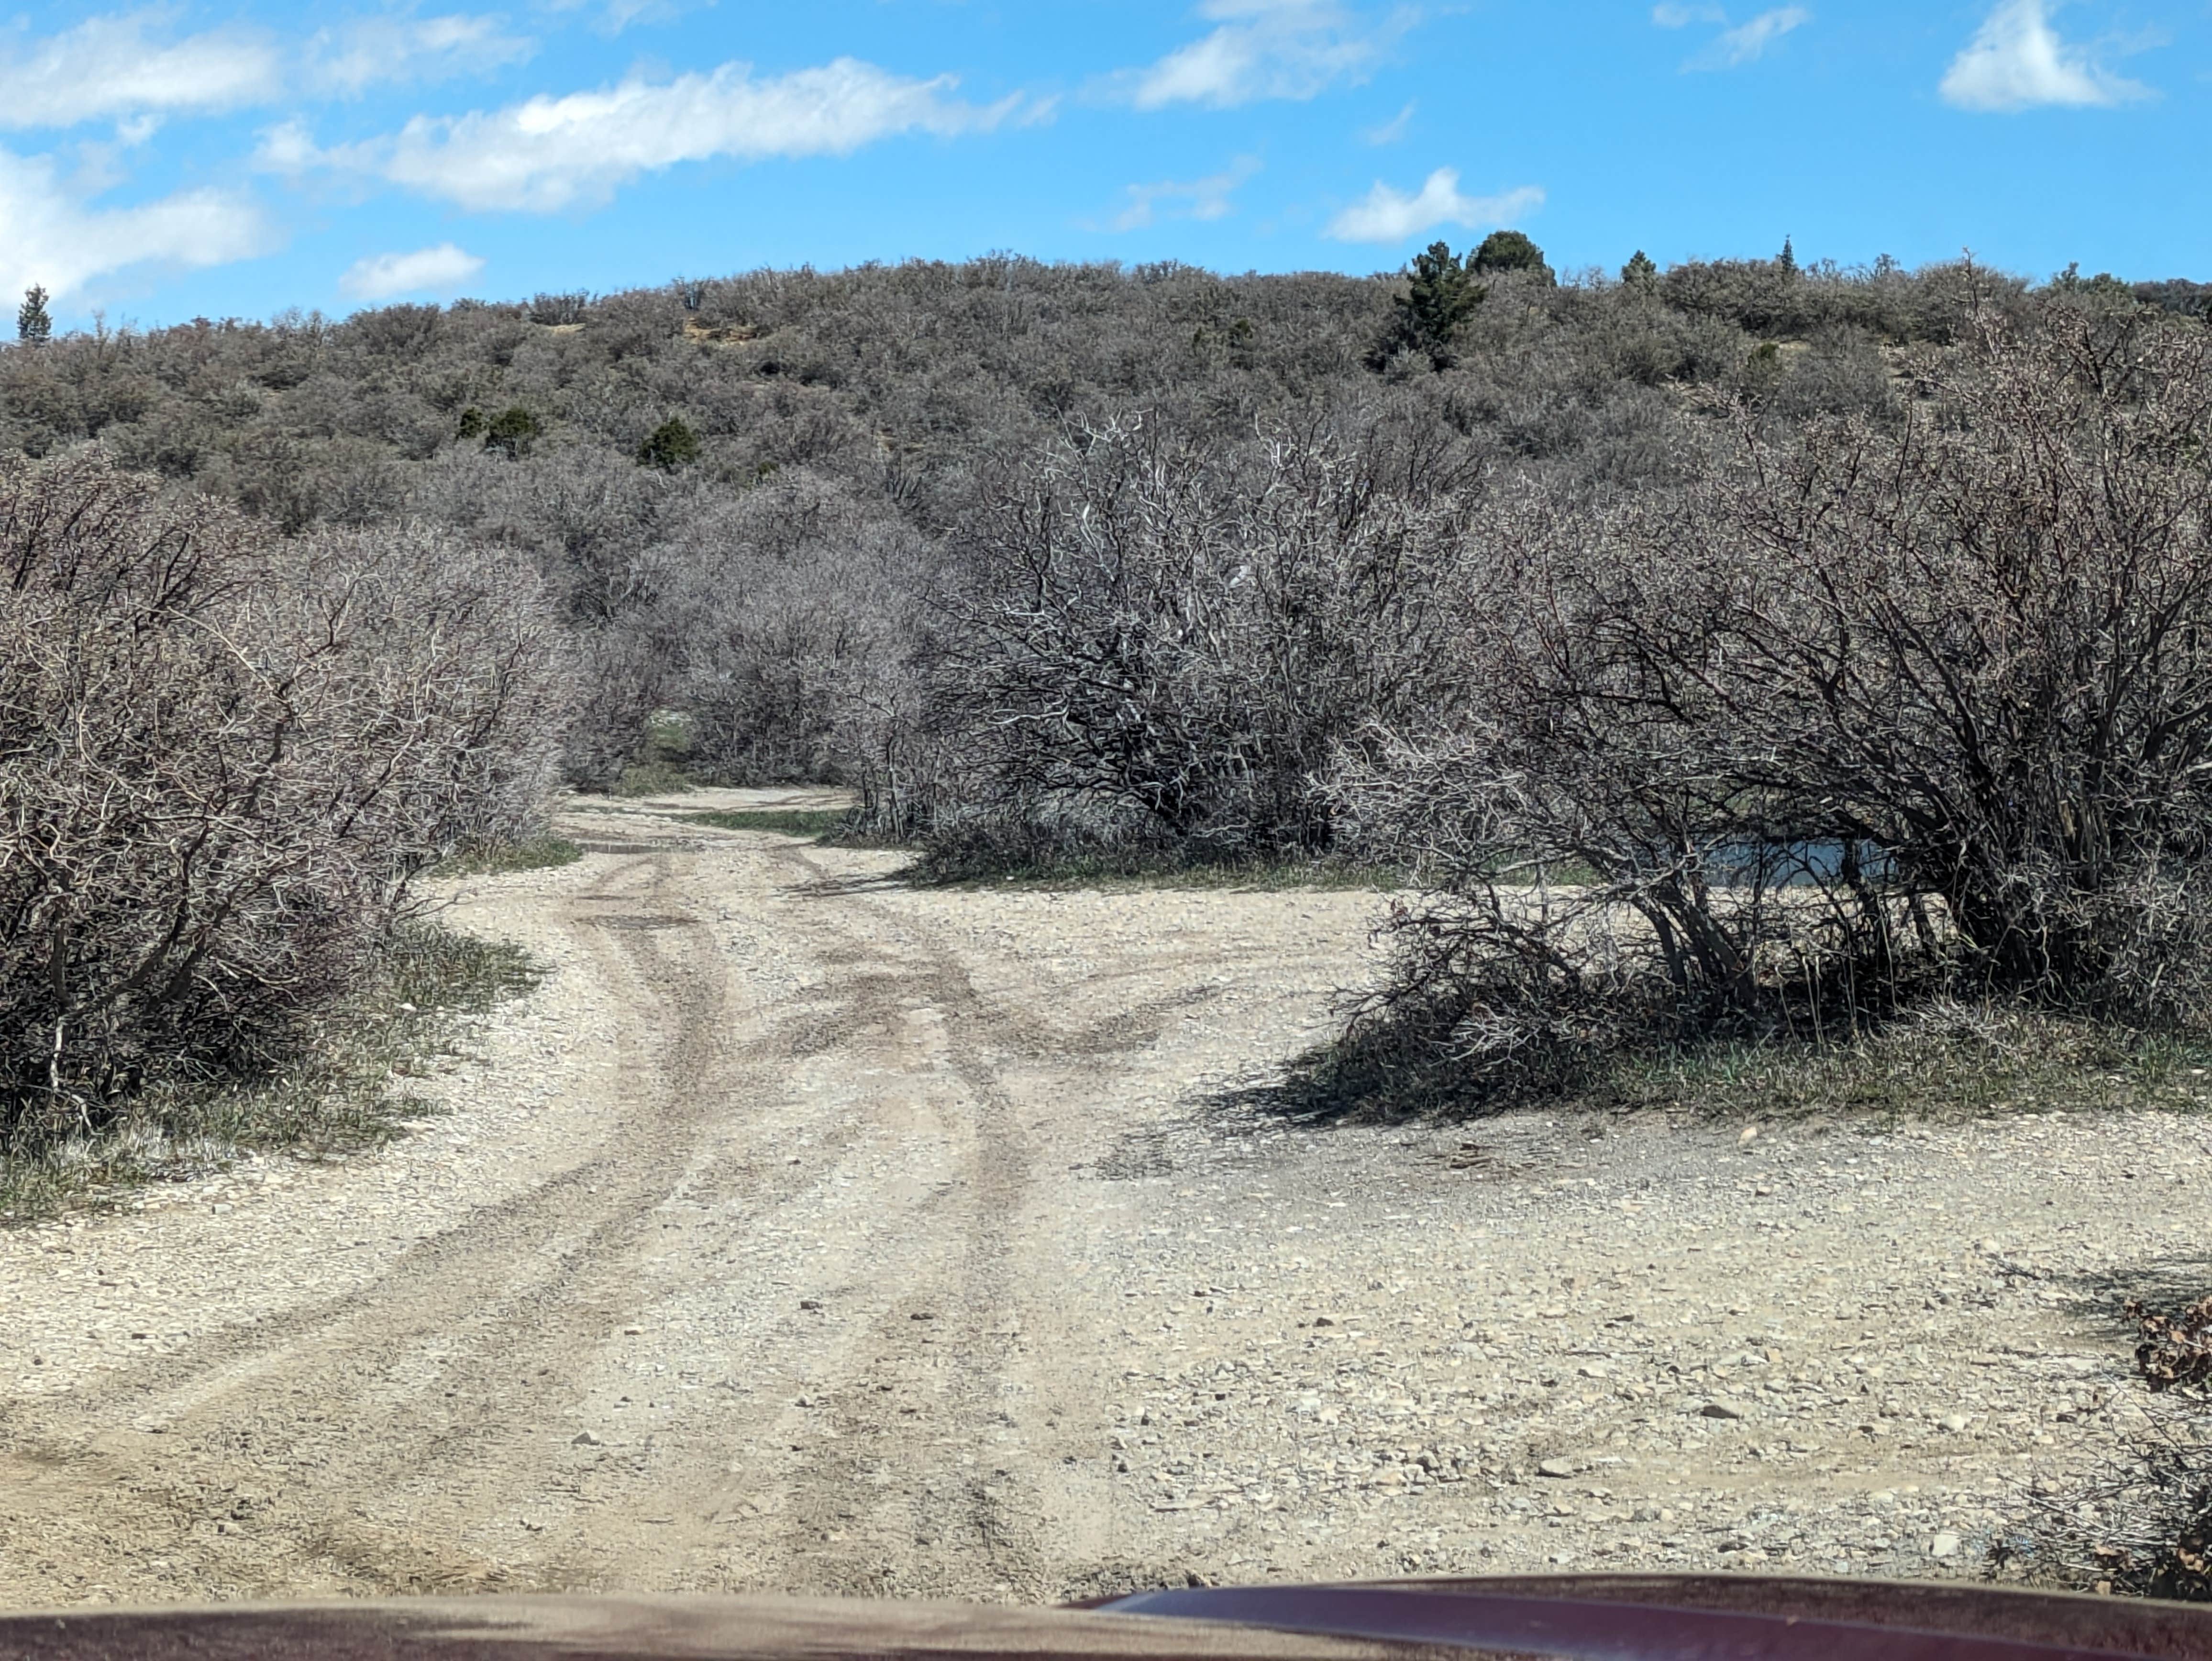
(806, 1230)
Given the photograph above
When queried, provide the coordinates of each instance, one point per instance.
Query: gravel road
(807, 1231)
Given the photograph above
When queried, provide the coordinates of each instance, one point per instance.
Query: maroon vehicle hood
(1585, 1618)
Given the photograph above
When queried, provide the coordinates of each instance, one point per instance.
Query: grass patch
(660, 768)
(1134, 870)
(497, 858)
(346, 1091)
(1947, 1062)
(1943, 1062)
(654, 778)
(776, 821)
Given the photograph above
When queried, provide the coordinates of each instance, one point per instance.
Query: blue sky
(237, 159)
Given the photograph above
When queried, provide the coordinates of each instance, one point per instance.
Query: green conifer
(1441, 294)
(35, 326)
(671, 445)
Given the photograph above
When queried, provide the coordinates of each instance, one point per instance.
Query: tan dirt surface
(808, 1232)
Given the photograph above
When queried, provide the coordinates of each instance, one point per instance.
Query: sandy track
(809, 1232)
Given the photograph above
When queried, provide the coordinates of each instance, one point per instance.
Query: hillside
(882, 406)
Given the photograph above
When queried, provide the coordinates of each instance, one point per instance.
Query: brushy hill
(815, 442)
(1470, 571)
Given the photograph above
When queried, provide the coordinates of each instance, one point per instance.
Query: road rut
(807, 1231)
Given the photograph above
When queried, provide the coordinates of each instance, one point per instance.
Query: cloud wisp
(1391, 131)
(1266, 49)
(1203, 199)
(54, 237)
(109, 67)
(118, 67)
(441, 269)
(1747, 42)
(407, 49)
(612, 17)
(2017, 62)
(1734, 48)
(548, 154)
(1385, 214)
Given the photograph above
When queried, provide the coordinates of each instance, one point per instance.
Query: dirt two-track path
(806, 1230)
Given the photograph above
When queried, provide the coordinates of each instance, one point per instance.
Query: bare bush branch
(222, 756)
(1888, 707)
(1160, 644)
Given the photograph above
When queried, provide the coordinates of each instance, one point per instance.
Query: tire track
(456, 1340)
(621, 1373)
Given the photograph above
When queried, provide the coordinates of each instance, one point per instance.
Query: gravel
(807, 1231)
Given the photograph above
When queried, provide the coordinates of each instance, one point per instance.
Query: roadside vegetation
(226, 757)
(1873, 719)
(970, 865)
(1765, 689)
(342, 1086)
(1733, 665)
(2141, 1524)
(1944, 1061)
(497, 858)
(814, 824)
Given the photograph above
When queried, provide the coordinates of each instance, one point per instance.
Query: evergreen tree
(1509, 250)
(1639, 272)
(33, 326)
(1786, 261)
(671, 445)
(1441, 294)
(511, 432)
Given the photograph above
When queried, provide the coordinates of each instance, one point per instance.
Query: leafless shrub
(621, 681)
(1937, 302)
(1840, 374)
(2141, 1526)
(1885, 707)
(596, 528)
(221, 757)
(786, 611)
(560, 309)
(1159, 642)
(908, 386)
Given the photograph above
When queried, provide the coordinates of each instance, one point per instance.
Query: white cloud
(288, 148)
(547, 153)
(1288, 49)
(613, 16)
(1389, 216)
(1391, 131)
(49, 235)
(1733, 47)
(116, 68)
(621, 14)
(407, 48)
(1198, 198)
(106, 66)
(1747, 42)
(2016, 61)
(427, 270)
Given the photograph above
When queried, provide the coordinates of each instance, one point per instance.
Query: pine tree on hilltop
(1509, 250)
(1441, 294)
(35, 326)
